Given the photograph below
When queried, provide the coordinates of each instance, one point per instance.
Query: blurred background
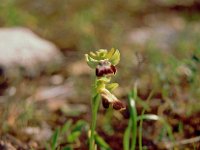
(45, 82)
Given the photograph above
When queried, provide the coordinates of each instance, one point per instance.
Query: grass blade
(55, 139)
(126, 138)
(100, 141)
(133, 116)
(141, 121)
(157, 118)
(66, 127)
(149, 117)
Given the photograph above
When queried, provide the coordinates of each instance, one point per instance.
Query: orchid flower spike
(104, 63)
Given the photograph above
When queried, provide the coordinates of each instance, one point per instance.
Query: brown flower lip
(126, 113)
(105, 70)
(105, 102)
(118, 105)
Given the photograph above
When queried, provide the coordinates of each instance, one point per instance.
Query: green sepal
(94, 55)
(112, 86)
(115, 58)
(102, 53)
(90, 61)
(110, 53)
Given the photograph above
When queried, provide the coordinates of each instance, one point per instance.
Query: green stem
(141, 121)
(134, 130)
(95, 106)
(140, 132)
(126, 138)
(133, 116)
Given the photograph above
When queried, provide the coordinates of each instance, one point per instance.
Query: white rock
(21, 48)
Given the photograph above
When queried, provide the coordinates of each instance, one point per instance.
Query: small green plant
(67, 135)
(104, 63)
(131, 131)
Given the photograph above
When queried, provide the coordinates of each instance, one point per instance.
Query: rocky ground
(45, 84)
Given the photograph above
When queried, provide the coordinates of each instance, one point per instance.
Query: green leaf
(73, 136)
(67, 148)
(66, 126)
(79, 125)
(133, 116)
(55, 139)
(126, 138)
(100, 141)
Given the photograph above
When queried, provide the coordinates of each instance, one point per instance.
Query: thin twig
(183, 142)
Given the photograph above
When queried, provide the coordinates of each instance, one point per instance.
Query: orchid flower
(104, 63)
